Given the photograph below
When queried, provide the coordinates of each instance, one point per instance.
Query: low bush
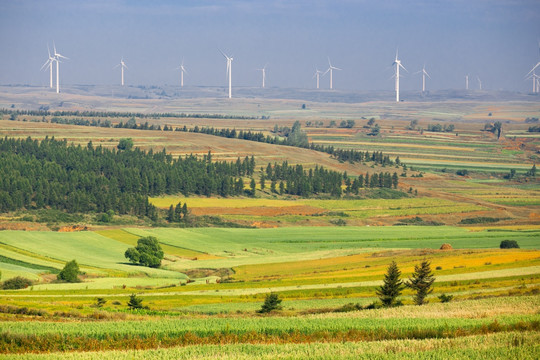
(509, 244)
(445, 298)
(16, 283)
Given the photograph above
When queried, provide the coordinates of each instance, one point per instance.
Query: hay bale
(446, 247)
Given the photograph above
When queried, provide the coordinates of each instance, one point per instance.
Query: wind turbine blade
(48, 62)
(534, 68)
(425, 72)
(326, 71)
(336, 68)
(403, 67)
(226, 57)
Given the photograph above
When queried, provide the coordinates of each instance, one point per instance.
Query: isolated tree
(148, 252)
(271, 302)
(125, 144)
(70, 272)
(135, 302)
(421, 282)
(252, 186)
(392, 286)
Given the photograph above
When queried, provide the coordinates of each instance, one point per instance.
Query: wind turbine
(479, 83)
(49, 64)
(467, 82)
(57, 57)
(532, 72)
(424, 74)
(263, 70)
(331, 68)
(397, 62)
(229, 71)
(317, 75)
(182, 71)
(534, 78)
(122, 66)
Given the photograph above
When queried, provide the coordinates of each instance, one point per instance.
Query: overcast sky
(496, 40)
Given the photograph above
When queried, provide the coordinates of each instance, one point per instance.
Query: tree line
(117, 114)
(284, 136)
(54, 174)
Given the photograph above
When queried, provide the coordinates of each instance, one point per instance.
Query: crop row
(511, 345)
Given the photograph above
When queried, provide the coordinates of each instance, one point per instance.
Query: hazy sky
(496, 40)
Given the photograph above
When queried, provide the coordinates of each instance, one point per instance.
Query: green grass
(94, 253)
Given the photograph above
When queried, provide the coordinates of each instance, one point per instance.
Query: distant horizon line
(267, 88)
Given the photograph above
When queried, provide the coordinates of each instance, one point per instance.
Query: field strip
(530, 270)
(462, 163)
(389, 144)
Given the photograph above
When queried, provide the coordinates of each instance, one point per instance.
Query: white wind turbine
(182, 71)
(263, 70)
(467, 82)
(331, 68)
(49, 64)
(229, 71)
(535, 79)
(424, 74)
(479, 83)
(532, 74)
(122, 66)
(397, 62)
(57, 57)
(317, 75)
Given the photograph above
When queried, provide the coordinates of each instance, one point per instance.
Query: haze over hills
(90, 96)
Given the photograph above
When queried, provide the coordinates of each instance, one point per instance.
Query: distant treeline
(115, 114)
(291, 137)
(54, 174)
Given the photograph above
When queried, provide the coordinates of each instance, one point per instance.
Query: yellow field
(199, 202)
(374, 265)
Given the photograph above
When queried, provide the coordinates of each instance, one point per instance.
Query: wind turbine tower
(57, 57)
(49, 64)
(229, 71)
(397, 62)
(263, 70)
(479, 83)
(331, 68)
(534, 78)
(424, 74)
(182, 71)
(122, 66)
(467, 82)
(317, 75)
